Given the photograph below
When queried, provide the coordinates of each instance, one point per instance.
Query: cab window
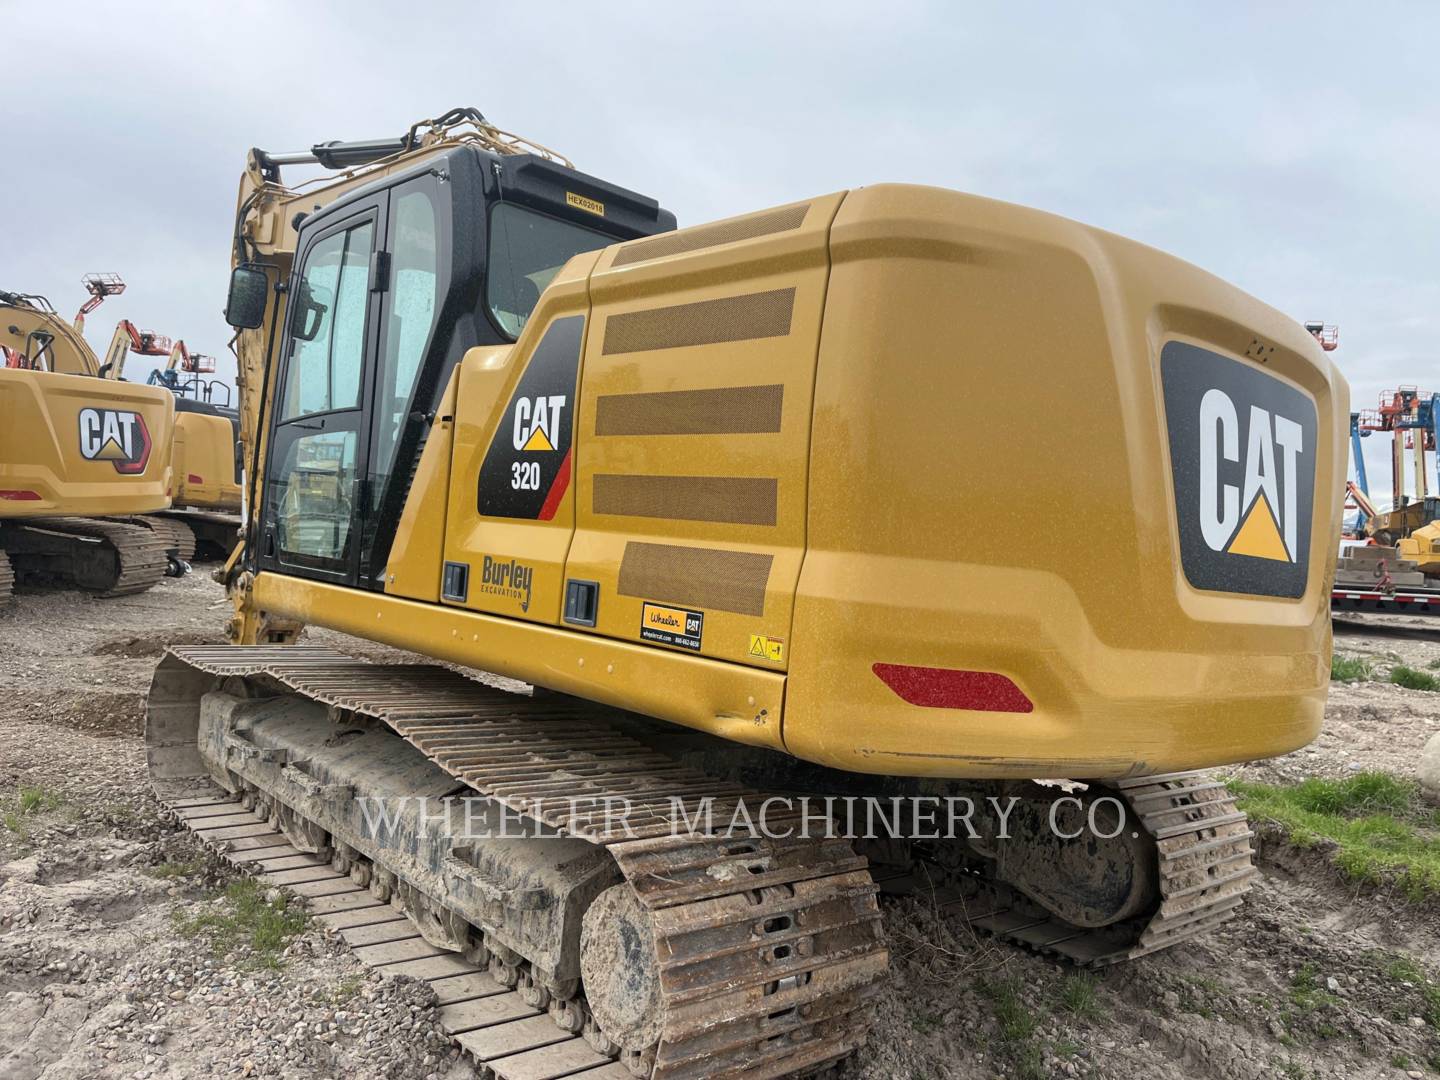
(526, 251)
(327, 326)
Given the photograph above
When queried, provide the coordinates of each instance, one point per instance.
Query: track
(1205, 863)
(492, 1024)
(179, 538)
(110, 558)
(768, 950)
(7, 578)
(738, 999)
(213, 534)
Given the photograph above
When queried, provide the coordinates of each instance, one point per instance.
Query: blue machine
(1357, 455)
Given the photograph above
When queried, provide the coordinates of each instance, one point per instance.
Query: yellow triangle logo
(538, 441)
(111, 451)
(1259, 537)
(757, 646)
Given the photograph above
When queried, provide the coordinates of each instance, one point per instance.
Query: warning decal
(767, 648)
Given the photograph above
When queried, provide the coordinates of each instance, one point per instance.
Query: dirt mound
(152, 645)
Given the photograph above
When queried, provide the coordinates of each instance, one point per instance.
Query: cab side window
(407, 330)
(327, 326)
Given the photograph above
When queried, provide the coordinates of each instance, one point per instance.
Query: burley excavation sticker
(1242, 453)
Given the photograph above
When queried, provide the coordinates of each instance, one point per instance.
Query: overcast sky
(1293, 149)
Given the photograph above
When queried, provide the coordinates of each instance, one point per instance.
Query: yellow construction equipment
(1422, 547)
(206, 500)
(80, 458)
(711, 492)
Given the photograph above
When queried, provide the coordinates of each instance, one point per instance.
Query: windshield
(527, 250)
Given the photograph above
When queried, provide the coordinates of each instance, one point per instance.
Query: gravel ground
(99, 978)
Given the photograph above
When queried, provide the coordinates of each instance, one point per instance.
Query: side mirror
(249, 293)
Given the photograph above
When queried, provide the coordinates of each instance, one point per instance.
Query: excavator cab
(390, 287)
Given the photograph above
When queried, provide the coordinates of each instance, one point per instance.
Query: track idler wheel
(1086, 859)
(620, 970)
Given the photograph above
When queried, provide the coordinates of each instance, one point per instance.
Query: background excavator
(80, 458)
(705, 490)
(205, 502)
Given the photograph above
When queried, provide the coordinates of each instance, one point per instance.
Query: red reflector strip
(191, 478)
(944, 688)
(20, 496)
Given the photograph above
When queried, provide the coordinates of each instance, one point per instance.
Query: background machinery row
(107, 485)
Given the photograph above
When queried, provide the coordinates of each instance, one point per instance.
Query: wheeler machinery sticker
(1242, 454)
(526, 471)
(671, 626)
(117, 436)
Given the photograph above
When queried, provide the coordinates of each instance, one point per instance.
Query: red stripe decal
(557, 489)
(944, 688)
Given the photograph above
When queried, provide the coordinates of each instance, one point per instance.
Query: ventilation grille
(733, 410)
(783, 219)
(704, 578)
(705, 322)
(731, 500)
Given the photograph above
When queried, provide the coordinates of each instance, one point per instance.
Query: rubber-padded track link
(738, 997)
(7, 579)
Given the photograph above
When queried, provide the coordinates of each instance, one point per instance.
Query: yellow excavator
(707, 491)
(80, 459)
(205, 502)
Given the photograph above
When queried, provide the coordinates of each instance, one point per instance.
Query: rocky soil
(102, 972)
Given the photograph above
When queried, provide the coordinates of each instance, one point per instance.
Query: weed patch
(1350, 669)
(1412, 679)
(1382, 829)
(1017, 1025)
(246, 920)
(1077, 996)
(28, 802)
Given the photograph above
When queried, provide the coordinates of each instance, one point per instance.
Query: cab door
(319, 446)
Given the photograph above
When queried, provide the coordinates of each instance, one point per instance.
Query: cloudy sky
(1291, 148)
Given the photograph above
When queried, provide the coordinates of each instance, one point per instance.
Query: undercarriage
(104, 556)
(549, 842)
